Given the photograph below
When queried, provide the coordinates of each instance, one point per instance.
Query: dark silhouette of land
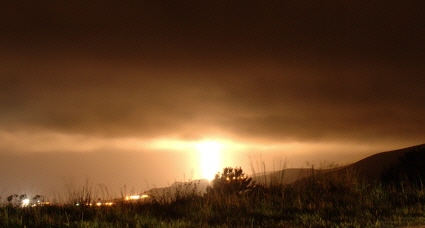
(407, 164)
(389, 166)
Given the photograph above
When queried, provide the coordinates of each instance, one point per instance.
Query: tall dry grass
(321, 198)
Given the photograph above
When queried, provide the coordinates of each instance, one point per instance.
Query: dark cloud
(250, 101)
(311, 29)
(272, 71)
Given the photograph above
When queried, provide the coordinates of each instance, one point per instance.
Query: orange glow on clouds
(203, 158)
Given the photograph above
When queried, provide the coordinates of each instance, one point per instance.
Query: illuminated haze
(123, 94)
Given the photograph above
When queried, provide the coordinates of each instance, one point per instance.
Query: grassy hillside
(336, 198)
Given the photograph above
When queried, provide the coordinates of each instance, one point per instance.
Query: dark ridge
(406, 164)
(372, 168)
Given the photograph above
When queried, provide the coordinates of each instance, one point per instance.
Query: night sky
(119, 94)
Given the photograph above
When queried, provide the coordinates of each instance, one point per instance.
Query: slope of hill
(372, 167)
(166, 194)
(369, 169)
(285, 176)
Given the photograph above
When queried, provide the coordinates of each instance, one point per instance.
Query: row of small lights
(127, 198)
(234, 178)
(97, 204)
(26, 202)
(136, 197)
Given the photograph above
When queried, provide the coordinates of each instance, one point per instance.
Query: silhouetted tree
(11, 197)
(231, 181)
(38, 198)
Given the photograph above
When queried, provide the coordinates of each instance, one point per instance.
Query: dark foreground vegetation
(234, 200)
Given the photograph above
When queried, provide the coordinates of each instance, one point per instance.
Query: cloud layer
(276, 71)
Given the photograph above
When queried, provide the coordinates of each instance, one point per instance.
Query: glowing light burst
(25, 202)
(210, 158)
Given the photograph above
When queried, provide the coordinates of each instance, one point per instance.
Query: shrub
(232, 181)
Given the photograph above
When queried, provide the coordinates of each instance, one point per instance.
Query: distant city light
(25, 202)
(136, 197)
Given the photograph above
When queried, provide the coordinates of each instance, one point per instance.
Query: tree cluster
(231, 181)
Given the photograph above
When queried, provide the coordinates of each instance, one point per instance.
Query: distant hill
(285, 176)
(183, 188)
(371, 169)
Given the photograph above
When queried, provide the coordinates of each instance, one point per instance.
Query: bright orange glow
(210, 158)
(25, 202)
(133, 197)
